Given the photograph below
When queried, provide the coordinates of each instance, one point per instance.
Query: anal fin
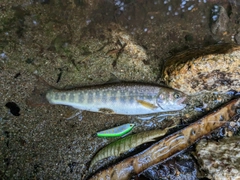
(106, 111)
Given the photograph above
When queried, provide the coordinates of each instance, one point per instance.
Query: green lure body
(116, 131)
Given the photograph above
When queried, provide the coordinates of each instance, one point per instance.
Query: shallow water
(72, 43)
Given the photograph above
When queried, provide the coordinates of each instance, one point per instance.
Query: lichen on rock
(220, 158)
(214, 68)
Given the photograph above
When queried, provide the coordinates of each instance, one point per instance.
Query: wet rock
(220, 158)
(220, 19)
(180, 167)
(127, 47)
(237, 38)
(214, 68)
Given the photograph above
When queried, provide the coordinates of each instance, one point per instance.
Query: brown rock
(214, 68)
(221, 159)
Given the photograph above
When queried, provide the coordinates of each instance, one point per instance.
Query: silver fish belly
(120, 98)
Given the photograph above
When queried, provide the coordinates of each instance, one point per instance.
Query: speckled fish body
(120, 98)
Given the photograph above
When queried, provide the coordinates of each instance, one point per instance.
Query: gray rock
(220, 20)
(237, 38)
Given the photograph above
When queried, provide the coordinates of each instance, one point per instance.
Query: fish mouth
(181, 100)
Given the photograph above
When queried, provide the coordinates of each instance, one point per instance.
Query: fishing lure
(127, 143)
(116, 131)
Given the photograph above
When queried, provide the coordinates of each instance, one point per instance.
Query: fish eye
(176, 95)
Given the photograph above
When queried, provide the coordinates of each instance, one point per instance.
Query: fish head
(171, 99)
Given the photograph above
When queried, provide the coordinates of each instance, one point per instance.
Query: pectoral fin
(147, 104)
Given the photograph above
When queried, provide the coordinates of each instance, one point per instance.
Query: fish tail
(38, 95)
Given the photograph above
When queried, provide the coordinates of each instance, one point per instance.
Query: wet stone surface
(180, 167)
(214, 68)
(220, 20)
(220, 159)
(73, 43)
(237, 38)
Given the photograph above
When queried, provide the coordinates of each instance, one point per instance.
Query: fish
(127, 143)
(116, 131)
(120, 98)
(170, 145)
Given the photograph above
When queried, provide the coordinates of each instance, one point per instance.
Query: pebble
(237, 38)
(220, 20)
